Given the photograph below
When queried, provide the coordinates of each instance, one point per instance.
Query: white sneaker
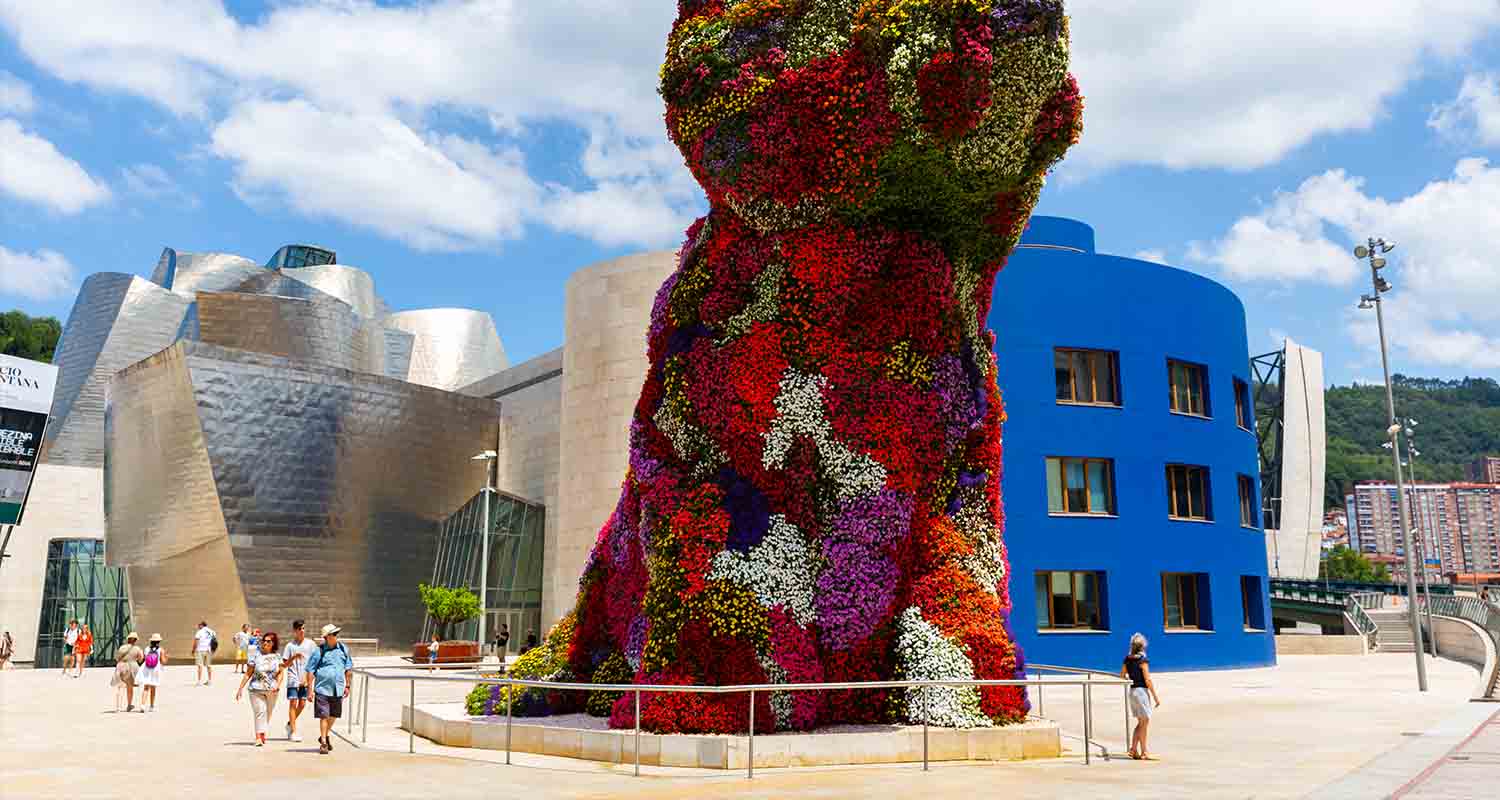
(289, 731)
(296, 737)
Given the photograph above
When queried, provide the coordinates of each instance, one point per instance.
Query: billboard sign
(26, 389)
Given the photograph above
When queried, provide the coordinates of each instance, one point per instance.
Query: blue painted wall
(1057, 292)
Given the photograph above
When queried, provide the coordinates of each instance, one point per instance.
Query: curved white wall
(606, 314)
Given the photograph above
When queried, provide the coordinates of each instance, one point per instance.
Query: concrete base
(580, 736)
(1305, 645)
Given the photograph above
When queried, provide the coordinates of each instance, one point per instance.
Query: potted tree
(448, 607)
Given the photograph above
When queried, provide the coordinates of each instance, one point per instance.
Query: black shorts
(325, 707)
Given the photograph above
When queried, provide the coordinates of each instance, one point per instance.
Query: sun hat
(132, 635)
(155, 637)
(331, 629)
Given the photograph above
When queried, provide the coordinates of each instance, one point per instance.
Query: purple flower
(855, 593)
(1023, 17)
(873, 521)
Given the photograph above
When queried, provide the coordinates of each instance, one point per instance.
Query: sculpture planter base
(454, 652)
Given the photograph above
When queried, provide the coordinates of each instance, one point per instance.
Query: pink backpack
(152, 659)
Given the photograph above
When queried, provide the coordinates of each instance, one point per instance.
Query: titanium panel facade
(190, 273)
(353, 286)
(321, 331)
(244, 486)
(117, 320)
(453, 347)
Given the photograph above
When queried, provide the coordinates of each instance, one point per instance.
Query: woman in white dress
(148, 677)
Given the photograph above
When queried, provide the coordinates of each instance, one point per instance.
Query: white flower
(800, 412)
(781, 570)
(923, 653)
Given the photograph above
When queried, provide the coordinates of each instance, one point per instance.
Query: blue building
(1131, 489)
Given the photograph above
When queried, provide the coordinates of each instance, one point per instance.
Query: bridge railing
(1354, 610)
(1485, 614)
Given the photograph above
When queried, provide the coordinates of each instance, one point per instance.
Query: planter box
(454, 652)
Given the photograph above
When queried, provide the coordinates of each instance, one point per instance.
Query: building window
(1187, 492)
(77, 585)
(1248, 517)
(1242, 416)
(1184, 600)
(1189, 395)
(1080, 486)
(1087, 377)
(1253, 601)
(1067, 600)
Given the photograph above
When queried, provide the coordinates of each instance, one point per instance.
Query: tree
(1345, 564)
(448, 606)
(25, 336)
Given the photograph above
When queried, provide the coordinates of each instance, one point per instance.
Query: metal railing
(1351, 587)
(365, 675)
(1484, 614)
(1354, 610)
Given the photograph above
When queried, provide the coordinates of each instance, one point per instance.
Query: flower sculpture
(814, 482)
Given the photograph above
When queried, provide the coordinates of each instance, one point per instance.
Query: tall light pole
(488, 457)
(1373, 250)
(1424, 527)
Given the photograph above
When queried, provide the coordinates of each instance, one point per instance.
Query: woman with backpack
(128, 660)
(148, 677)
(263, 674)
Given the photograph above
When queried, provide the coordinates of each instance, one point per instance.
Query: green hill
(25, 336)
(1458, 421)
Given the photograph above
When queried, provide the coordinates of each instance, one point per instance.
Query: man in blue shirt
(329, 673)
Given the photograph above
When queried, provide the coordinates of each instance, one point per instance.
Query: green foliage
(475, 703)
(25, 336)
(448, 606)
(1458, 421)
(1344, 564)
(613, 669)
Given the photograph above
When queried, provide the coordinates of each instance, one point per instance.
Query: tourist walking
(294, 657)
(329, 673)
(7, 649)
(263, 674)
(241, 647)
(70, 639)
(205, 642)
(502, 641)
(148, 677)
(82, 649)
(128, 659)
(433, 648)
(1143, 697)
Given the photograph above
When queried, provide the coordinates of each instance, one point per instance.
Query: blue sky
(476, 152)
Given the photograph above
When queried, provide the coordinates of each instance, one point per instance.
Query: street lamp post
(1373, 250)
(488, 457)
(1424, 526)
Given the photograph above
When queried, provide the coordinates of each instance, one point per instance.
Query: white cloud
(15, 95)
(408, 76)
(1474, 113)
(1188, 84)
(44, 275)
(153, 182)
(32, 169)
(1446, 277)
(1154, 255)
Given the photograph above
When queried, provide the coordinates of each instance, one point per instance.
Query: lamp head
(1361, 251)
(1386, 247)
(1382, 285)
(1377, 263)
(1366, 302)
(488, 455)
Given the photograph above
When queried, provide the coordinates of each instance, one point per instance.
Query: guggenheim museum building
(242, 441)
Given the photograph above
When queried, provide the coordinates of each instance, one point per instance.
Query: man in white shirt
(70, 640)
(294, 658)
(203, 651)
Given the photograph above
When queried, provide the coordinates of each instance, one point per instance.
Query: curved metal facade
(190, 273)
(1057, 292)
(353, 286)
(243, 486)
(452, 347)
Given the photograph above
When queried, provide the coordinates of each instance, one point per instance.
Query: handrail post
(411, 723)
(637, 733)
(1127, 717)
(926, 713)
(1087, 699)
(750, 773)
(510, 691)
(349, 723)
(1041, 705)
(364, 713)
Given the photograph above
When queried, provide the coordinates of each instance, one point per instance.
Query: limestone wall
(608, 307)
(1306, 645)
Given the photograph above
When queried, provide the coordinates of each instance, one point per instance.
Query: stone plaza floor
(1315, 726)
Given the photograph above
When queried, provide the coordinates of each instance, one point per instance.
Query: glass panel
(1179, 488)
(1099, 493)
(1054, 486)
(1043, 601)
(1077, 486)
(1104, 377)
(1062, 366)
(1172, 598)
(1195, 494)
(1189, 584)
(1062, 600)
(1084, 375)
(78, 585)
(1085, 591)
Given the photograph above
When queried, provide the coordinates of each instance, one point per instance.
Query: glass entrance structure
(517, 533)
(79, 586)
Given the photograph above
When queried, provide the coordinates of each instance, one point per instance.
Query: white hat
(155, 637)
(330, 629)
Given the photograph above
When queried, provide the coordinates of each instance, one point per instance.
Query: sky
(475, 153)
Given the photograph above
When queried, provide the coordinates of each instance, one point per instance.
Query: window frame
(1243, 406)
(1098, 576)
(1183, 579)
(1249, 513)
(1111, 359)
(1201, 384)
(1248, 612)
(1205, 491)
(1062, 463)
